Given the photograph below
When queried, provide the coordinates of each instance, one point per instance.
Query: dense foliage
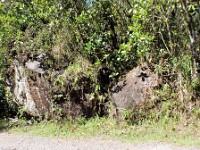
(103, 39)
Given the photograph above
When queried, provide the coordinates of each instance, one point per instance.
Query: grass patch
(171, 131)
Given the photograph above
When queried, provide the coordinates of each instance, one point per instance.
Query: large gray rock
(44, 91)
(136, 89)
(31, 90)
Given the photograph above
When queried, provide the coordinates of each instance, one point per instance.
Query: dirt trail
(25, 142)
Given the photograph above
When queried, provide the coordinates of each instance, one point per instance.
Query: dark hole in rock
(143, 79)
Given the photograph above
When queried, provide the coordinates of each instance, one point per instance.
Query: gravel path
(24, 142)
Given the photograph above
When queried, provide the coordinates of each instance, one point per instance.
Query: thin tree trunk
(180, 86)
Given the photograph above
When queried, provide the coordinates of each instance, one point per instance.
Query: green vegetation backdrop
(108, 35)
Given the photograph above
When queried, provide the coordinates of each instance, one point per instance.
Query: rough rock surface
(41, 90)
(31, 90)
(136, 88)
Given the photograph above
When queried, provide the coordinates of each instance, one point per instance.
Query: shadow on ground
(3, 126)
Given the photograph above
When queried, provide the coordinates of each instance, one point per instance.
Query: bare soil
(26, 142)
